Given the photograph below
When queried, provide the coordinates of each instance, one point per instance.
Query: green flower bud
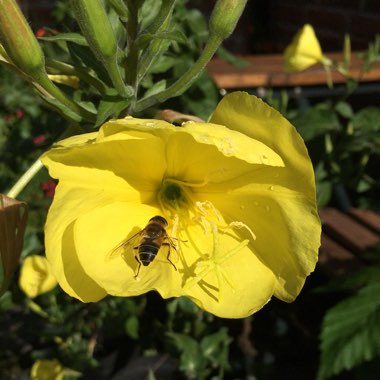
(96, 27)
(18, 40)
(225, 16)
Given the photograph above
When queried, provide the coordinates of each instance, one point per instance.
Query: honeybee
(149, 241)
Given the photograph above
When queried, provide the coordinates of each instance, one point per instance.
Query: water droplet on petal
(150, 124)
(267, 208)
(242, 207)
(128, 117)
(271, 187)
(264, 159)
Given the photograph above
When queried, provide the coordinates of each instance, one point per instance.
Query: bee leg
(138, 268)
(168, 255)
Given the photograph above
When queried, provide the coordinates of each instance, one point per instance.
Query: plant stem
(25, 179)
(183, 83)
(56, 93)
(133, 51)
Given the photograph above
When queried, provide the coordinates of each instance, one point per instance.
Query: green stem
(113, 71)
(133, 51)
(43, 80)
(66, 69)
(182, 84)
(25, 179)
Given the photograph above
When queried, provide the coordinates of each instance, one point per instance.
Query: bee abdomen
(147, 253)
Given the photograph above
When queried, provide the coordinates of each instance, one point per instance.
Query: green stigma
(173, 196)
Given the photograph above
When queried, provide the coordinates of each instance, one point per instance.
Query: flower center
(174, 197)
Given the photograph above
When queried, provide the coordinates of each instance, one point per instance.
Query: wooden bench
(346, 239)
(268, 71)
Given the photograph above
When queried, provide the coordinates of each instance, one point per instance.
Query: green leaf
(192, 360)
(62, 109)
(156, 88)
(350, 332)
(76, 38)
(315, 122)
(173, 35)
(132, 327)
(215, 347)
(231, 58)
(111, 105)
(367, 120)
(324, 192)
(344, 109)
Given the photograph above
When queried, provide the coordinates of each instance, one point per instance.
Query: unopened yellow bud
(47, 370)
(13, 217)
(225, 15)
(36, 277)
(18, 39)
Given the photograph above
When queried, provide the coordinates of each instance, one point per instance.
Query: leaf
(344, 109)
(132, 327)
(156, 88)
(351, 332)
(215, 347)
(367, 120)
(231, 58)
(315, 122)
(82, 55)
(173, 35)
(192, 360)
(111, 105)
(324, 192)
(71, 37)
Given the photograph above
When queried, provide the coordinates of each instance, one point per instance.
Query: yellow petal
(69, 202)
(278, 204)
(112, 165)
(222, 275)
(285, 224)
(36, 277)
(47, 370)
(251, 116)
(304, 51)
(95, 242)
(209, 152)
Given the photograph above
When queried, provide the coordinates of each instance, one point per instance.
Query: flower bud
(47, 369)
(96, 27)
(304, 51)
(36, 277)
(13, 217)
(18, 39)
(224, 17)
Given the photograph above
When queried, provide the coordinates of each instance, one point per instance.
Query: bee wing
(120, 249)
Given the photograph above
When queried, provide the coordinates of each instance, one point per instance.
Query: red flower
(48, 187)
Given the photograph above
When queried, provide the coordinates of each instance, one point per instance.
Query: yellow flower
(238, 194)
(47, 370)
(36, 277)
(304, 51)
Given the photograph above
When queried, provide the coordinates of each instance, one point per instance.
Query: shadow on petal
(86, 288)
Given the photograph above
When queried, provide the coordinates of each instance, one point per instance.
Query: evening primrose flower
(47, 370)
(238, 194)
(304, 51)
(36, 277)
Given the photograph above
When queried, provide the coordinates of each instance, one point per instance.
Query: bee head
(159, 219)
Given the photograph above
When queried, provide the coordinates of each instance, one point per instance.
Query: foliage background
(121, 338)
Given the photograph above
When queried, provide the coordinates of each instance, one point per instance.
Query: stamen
(240, 225)
(214, 263)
